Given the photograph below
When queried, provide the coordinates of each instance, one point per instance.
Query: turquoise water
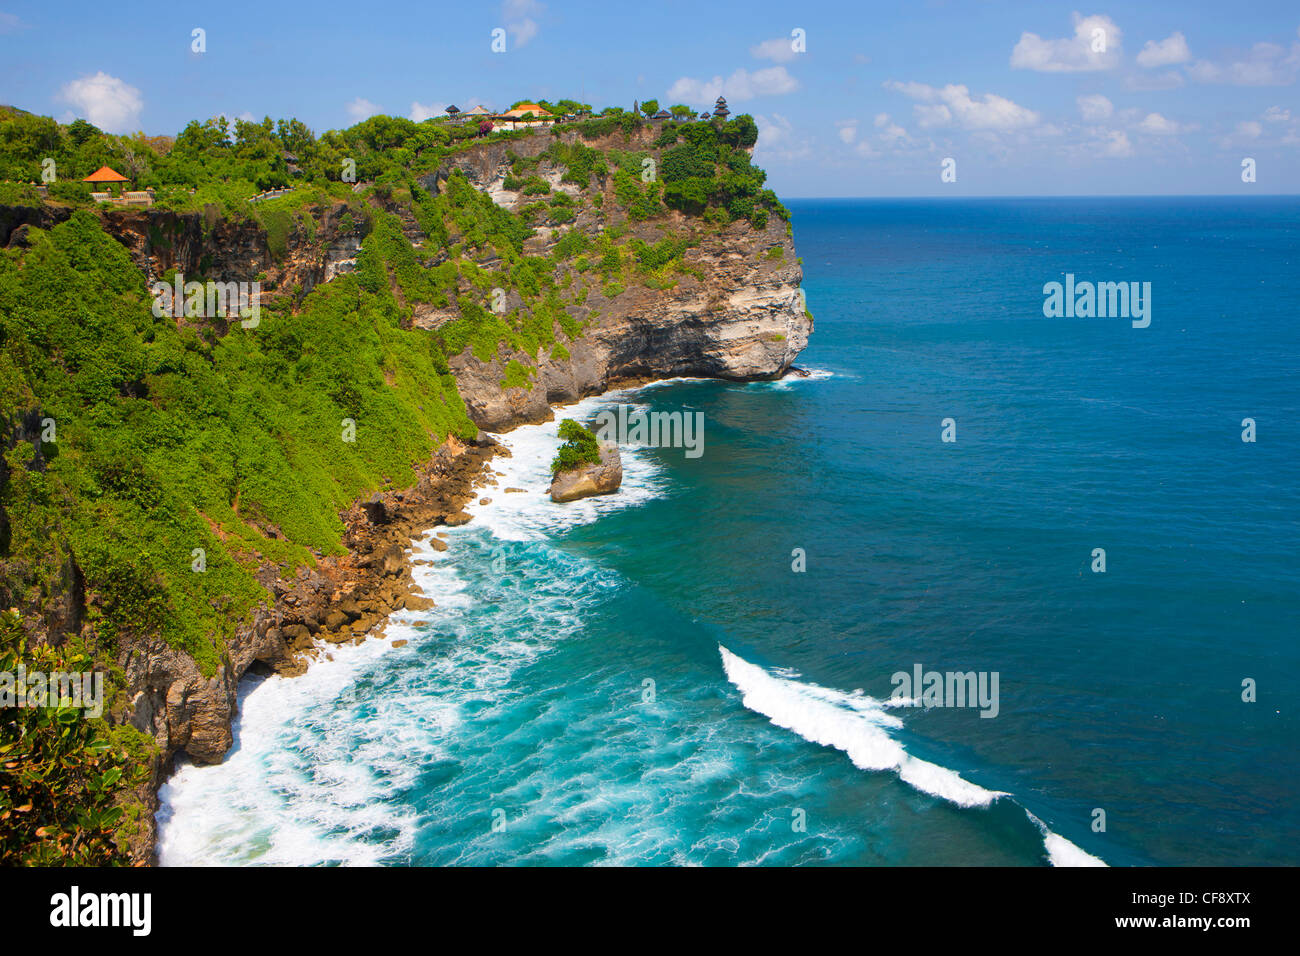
(643, 679)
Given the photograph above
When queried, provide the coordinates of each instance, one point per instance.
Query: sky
(1156, 97)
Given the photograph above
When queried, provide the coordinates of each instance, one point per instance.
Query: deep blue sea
(645, 678)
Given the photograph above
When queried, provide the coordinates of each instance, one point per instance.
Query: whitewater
(464, 746)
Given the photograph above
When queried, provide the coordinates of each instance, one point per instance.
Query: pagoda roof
(105, 175)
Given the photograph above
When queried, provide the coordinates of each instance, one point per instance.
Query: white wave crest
(855, 723)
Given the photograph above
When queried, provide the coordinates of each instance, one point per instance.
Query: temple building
(513, 119)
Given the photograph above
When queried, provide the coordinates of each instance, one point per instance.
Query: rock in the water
(587, 480)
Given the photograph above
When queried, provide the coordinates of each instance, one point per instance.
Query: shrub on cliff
(580, 162)
(58, 769)
(642, 201)
(171, 439)
(579, 448)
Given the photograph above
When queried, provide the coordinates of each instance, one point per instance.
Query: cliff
(734, 311)
(407, 308)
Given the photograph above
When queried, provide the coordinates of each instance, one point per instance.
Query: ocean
(700, 670)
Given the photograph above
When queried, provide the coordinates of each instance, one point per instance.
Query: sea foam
(859, 725)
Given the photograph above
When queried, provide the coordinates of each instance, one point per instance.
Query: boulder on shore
(588, 480)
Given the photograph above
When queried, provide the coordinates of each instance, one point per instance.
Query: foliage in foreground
(58, 771)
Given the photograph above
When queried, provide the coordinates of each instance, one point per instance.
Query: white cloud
(741, 85)
(1114, 144)
(777, 138)
(1095, 107)
(518, 15)
(893, 133)
(890, 135)
(10, 23)
(930, 115)
(1168, 52)
(1267, 64)
(106, 101)
(361, 108)
(1094, 46)
(1157, 125)
(1250, 131)
(1276, 114)
(942, 106)
(780, 50)
(1154, 82)
(423, 111)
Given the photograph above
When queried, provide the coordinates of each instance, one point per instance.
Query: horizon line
(1294, 195)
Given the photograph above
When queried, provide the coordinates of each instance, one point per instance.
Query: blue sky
(1020, 94)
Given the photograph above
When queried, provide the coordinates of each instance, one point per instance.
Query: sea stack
(587, 480)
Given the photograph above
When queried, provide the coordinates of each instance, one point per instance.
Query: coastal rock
(588, 480)
(737, 313)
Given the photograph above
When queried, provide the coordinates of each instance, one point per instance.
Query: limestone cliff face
(740, 315)
(735, 312)
(203, 245)
(188, 712)
(744, 320)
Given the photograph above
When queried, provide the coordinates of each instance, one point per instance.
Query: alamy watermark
(634, 426)
(199, 300)
(1102, 300)
(35, 689)
(922, 688)
(75, 908)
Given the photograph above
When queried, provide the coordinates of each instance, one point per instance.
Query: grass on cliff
(163, 448)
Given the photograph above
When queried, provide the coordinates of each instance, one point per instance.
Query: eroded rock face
(744, 320)
(588, 480)
(203, 244)
(739, 315)
(343, 598)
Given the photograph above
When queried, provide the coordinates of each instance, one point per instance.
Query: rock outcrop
(341, 599)
(744, 320)
(589, 480)
(205, 245)
(737, 314)
(734, 311)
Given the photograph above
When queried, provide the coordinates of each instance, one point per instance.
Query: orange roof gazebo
(105, 175)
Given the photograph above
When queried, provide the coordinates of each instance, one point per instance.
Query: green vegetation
(167, 440)
(579, 448)
(224, 163)
(517, 376)
(58, 770)
(708, 172)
